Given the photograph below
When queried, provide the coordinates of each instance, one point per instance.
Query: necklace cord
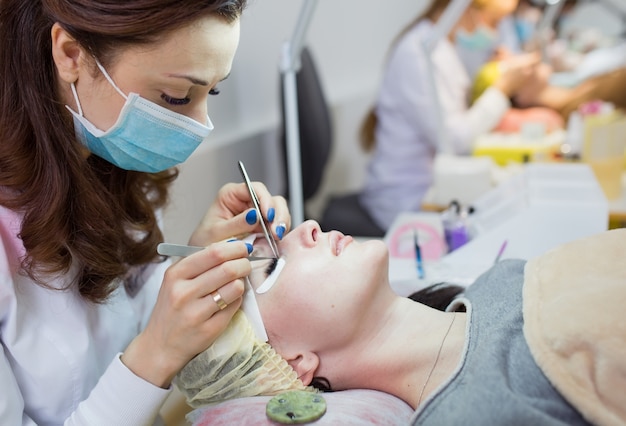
(436, 360)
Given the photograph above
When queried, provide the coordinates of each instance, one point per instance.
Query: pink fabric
(350, 407)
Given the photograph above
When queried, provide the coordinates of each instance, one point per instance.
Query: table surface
(617, 207)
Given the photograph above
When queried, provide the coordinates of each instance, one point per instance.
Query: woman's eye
(175, 101)
(214, 91)
(270, 268)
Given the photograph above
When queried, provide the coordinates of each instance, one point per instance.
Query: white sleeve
(482, 117)
(120, 398)
(11, 400)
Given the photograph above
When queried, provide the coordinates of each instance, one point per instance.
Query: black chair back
(316, 130)
(342, 212)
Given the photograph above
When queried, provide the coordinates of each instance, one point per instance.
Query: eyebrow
(195, 80)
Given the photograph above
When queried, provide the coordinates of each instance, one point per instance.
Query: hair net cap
(237, 365)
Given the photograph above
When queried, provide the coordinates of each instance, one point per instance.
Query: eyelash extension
(175, 101)
(270, 268)
(214, 91)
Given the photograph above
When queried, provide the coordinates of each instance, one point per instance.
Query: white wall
(349, 40)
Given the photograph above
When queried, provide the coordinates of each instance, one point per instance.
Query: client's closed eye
(271, 266)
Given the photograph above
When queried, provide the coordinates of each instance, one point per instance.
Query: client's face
(327, 284)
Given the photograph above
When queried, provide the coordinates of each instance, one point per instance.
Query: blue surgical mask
(481, 39)
(146, 137)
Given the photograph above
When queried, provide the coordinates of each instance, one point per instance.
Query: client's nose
(309, 232)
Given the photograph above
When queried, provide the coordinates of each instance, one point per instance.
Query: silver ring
(219, 301)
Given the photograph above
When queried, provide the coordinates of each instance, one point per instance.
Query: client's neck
(396, 353)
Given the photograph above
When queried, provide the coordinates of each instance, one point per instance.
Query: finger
(275, 210)
(214, 321)
(282, 222)
(533, 58)
(266, 201)
(203, 308)
(225, 296)
(218, 320)
(238, 226)
(220, 257)
(227, 313)
(235, 197)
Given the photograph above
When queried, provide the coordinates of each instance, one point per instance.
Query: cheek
(310, 301)
(292, 321)
(300, 313)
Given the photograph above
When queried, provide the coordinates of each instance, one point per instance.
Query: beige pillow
(575, 323)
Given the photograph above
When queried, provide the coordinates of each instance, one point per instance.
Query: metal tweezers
(167, 249)
(264, 224)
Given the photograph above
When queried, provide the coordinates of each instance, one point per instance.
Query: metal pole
(446, 21)
(550, 14)
(290, 64)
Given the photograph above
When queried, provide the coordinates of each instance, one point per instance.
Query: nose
(309, 232)
(198, 112)
(304, 235)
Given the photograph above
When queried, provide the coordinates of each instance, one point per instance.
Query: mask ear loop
(109, 79)
(80, 109)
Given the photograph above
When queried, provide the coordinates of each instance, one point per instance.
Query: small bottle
(455, 226)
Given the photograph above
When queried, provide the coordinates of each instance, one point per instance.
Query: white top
(401, 168)
(60, 363)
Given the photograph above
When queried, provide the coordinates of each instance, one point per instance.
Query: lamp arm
(289, 66)
(446, 21)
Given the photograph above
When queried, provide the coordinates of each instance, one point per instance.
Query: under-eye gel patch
(271, 280)
(249, 305)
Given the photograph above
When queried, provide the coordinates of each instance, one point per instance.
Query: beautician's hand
(198, 297)
(529, 94)
(515, 72)
(232, 214)
(501, 53)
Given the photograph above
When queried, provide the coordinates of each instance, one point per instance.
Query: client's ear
(305, 365)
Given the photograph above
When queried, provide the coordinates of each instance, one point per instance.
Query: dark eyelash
(175, 101)
(270, 268)
(214, 91)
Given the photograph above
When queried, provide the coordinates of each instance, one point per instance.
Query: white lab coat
(60, 362)
(401, 167)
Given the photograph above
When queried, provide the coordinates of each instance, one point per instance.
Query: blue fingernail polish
(251, 217)
(249, 247)
(280, 230)
(270, 214)
(231, 240)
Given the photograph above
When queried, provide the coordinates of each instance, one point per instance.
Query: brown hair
(82, 213)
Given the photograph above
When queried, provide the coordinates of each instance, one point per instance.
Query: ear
(66, 53)
(305, 365)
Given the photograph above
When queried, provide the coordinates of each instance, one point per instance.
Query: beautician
(403, 129)
(99, 101)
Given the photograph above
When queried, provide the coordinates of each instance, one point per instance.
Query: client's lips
(338, 242)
